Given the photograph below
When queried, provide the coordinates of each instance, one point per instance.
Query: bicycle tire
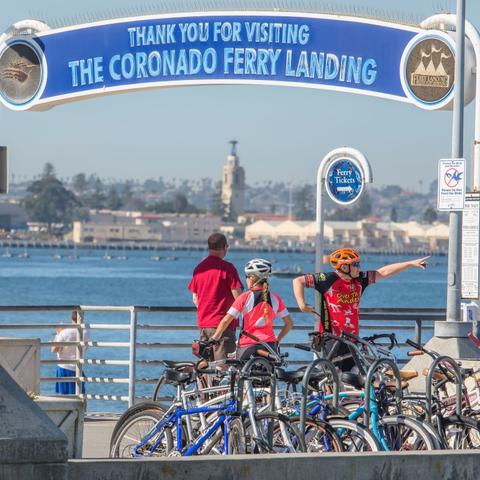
(167, 396)
(271, 425)
(405, 433)
(355, 437)
(134, 429)
(139, 407)
(465, 432)
(236, 437)
(320, 436)
(414, 406)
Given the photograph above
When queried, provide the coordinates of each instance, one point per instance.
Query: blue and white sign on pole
(451, 184)
(343, 173)
(344, 181)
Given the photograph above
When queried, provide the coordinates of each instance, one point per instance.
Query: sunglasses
(355, 264)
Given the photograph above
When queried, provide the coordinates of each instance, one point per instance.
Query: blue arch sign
(399, 62)
(344, 181)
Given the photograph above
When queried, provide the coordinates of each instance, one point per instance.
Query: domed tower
(233, 185)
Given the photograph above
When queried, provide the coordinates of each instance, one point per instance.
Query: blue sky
(283, 133)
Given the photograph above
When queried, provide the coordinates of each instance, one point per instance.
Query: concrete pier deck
(96, 436)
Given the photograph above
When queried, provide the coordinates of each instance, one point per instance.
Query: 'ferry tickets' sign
(317, 51)
(344, 181)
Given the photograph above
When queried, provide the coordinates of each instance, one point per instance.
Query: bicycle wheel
(405, 433)
(276, 435)
(236, 437)
(462, 433)
(134, 409)
(135, 428)
(164, 392)
(355, 437)
(320, 437)
(414, 406)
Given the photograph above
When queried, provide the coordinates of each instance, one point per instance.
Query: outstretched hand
(305, 308)
(420, 262)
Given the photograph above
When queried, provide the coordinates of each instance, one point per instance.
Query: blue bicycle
(229, 428)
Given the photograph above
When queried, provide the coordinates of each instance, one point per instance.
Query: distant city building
(250, 217)
(233, 185)
(13, 216)
(110, 226)
(360, 234)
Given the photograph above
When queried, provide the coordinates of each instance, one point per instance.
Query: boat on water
(24, 254)
(288, 273)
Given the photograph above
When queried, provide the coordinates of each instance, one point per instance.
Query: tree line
(49, 201)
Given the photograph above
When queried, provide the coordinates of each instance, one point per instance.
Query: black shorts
(244, 353)
(345, 365)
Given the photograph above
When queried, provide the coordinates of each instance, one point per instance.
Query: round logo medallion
(20, 73)
(429, 71)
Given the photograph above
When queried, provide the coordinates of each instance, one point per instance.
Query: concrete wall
(31, 445)
(377, 466)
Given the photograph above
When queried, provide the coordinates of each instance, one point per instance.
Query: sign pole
(319, 228)
(361, 163)
(455, 232)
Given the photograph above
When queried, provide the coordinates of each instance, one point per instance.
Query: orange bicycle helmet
(343, 256)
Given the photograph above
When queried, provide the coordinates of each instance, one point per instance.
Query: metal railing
(411, 322)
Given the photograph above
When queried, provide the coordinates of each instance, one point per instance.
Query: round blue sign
(344, 181)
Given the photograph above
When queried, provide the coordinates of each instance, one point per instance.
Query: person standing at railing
(68, 352)
(214, 285)
(340, 293)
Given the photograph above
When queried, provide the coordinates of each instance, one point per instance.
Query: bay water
(50, 277)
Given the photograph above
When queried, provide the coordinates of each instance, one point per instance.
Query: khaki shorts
(227, 344)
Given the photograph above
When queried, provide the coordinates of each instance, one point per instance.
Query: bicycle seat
(177, 365)
(404, 374)
(289, 377)
(295, 377)
(354, 379)
(436, 375)
(391, 385)
(358, 381)
(178, 378)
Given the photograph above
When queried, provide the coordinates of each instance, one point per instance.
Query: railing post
(79, 356)
(418, 331)
(132, 358)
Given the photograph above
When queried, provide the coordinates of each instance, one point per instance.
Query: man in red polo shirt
(215, 285)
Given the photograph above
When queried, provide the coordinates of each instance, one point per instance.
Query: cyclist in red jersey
(340, 291)
(258, 306)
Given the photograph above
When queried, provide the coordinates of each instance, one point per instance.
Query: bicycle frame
(175, 419)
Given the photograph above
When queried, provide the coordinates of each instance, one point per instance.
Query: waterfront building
(13, 216)
(107, 226)
(233, 185)
(360, 234)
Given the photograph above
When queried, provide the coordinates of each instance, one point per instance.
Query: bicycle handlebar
(303, 347)
(415, 345)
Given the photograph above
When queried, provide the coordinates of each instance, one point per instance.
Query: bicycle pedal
(174, 453)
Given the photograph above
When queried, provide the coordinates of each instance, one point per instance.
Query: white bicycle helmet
(259, 267)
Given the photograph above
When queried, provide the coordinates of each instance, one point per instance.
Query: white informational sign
(451, 184)
(470, 246)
